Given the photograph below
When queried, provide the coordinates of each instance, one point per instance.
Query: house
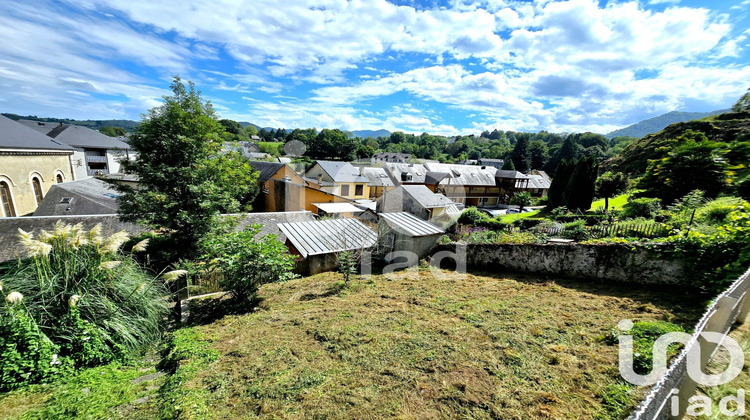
(406, 173)
(403, 232)
(391, 157)
(338, 178)
(421, 202)
(538, 185)
(379, 181)
(470, 185)
(30, 163)
(79, 198)
(511, 182)
(495, 163)
(95, 153)
(318, 243)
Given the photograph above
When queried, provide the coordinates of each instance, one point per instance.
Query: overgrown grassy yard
(423, 347)
(615, 202)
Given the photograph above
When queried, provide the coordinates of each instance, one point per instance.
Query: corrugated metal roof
(410, 224)
(337, 207)
(328, 236)
(538, 181)
(341, 171)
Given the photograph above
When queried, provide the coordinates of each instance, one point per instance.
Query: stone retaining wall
(613, 262)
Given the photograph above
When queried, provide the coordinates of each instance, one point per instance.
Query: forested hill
(128, 125)
(656, 124)
(729, 128)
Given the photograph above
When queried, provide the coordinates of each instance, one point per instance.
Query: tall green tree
(579, 192)
(521, 155)
(539, 154)
(185, 183)
(609, 185)
(559, 183)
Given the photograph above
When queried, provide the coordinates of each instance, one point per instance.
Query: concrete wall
(598, 262)
(17, 171)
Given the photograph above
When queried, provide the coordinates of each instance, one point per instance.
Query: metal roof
(338, 207)
(503, 173)
(410, 224)
(417, 172)
(424, 196)
(464, 174)
(328, 236)
(378, 177)
(341, 171)
(84, 137)
(14, 135)
(538, 181)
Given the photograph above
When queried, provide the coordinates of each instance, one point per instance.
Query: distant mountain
(245, 124)
(128, 125)
(371, 133)
(656, 124)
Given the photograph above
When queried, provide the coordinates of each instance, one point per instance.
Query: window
(5, 200)
(59, 178)
(344, 190)
(359, 189)
(37, 190)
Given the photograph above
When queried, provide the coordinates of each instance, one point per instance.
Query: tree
(559, 184)
(113, 131)
(185, 183)
(520, 154)
(333, 144)
(694, 163)
(609, 185)
(522, 200)
(579, 193)
(539, 154)
(508, 165)
(743, 104)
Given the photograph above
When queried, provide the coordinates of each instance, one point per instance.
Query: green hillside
(128, 125)
(724, 128)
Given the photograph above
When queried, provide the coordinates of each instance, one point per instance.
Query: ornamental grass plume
(112, 244)
(173, 275)
(140, 246)
(73, 301)
(108, 265)
(14, 298)
(95, 234)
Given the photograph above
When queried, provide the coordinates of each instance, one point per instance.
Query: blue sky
(441, 66)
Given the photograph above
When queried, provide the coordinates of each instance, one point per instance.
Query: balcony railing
(93, 172)
(98, 159)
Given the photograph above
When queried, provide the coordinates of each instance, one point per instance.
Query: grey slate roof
(395, 170)
(539, 182)
(425, 197)
(341, 171)
(434, 178)
(84, 197)
(464, 174)
(328, 236)
(266, 169)
(502, 173)
(40, 126)
(14, 135)
(269, 221)
(84, 137)
(409, 224)
(378, 177)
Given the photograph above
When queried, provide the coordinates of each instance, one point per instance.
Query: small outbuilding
(404, 232)
(318, 243)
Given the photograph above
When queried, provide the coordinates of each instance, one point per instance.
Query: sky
(438, 66)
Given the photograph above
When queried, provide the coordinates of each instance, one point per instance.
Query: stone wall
(612, 262)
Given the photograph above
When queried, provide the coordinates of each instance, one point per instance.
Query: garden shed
(403, 231)
(317, 243)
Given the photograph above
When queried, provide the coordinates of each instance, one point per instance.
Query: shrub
(642, 207)
(471, 216)
(716, 212)
(91, 302)
(576, 231)
(247, 262)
